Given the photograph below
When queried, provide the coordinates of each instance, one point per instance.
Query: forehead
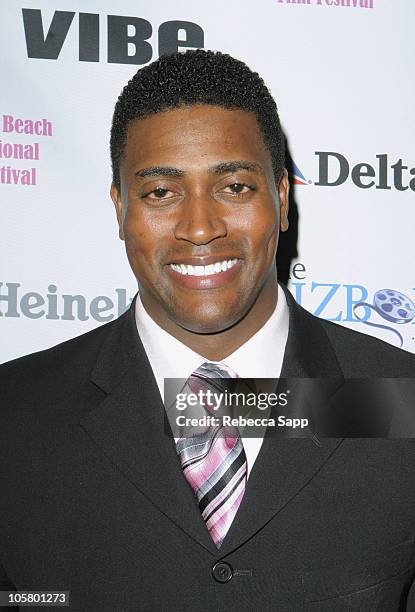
(192, 135)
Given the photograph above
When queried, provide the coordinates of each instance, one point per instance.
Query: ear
(116, 198)
(283, 192)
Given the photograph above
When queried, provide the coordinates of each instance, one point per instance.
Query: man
(97, 499)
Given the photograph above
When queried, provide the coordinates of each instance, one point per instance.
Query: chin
(212, 321)
(205, 327)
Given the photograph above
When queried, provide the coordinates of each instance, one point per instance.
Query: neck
(217, 346)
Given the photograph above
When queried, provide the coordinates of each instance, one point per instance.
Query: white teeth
(215, 268)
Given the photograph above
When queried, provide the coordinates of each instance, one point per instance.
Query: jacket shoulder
(63, 366)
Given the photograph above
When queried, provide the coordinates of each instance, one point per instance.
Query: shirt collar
(260, 357)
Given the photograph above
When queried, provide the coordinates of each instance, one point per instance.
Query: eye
(158, 193)
(239, 188)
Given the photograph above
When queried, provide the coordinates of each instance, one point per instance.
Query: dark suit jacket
(93, 499)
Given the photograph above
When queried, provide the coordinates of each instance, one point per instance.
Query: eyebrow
(159, 171)
(234, 166)
(221, 168)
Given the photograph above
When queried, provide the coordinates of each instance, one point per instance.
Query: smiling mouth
(215, 268)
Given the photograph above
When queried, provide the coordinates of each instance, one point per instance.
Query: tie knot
(215, 370)
(217, 379)
(219, 376)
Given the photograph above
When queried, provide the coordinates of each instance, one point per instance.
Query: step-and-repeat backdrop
(342, 74)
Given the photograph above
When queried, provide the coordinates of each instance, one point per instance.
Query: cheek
(142, 233)
(135, 244)
(139, 245)
(262, 231)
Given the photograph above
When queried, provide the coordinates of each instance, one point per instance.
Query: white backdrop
(343, 80)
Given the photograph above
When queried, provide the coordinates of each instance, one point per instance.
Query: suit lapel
(129, 427)
(285, 466)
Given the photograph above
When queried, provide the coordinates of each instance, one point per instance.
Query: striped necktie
(214, 464)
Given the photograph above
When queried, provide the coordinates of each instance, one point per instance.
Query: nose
(200, 220)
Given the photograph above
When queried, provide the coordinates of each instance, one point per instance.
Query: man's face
(200, 215)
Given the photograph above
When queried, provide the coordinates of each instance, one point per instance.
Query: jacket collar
(129, 426)
(309, 353)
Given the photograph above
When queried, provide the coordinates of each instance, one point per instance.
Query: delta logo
(297, 177)
(335, 169)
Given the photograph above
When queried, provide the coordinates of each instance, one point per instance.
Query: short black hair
(196, 77)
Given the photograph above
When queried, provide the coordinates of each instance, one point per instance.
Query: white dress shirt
(260, 357)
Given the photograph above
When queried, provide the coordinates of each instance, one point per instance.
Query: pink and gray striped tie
(214, 463)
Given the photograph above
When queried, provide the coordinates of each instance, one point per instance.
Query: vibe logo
(127, 36)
